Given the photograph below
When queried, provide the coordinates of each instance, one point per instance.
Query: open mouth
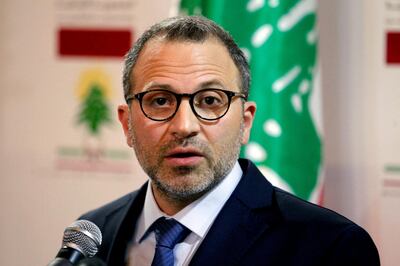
(183, 155)
(180, 157)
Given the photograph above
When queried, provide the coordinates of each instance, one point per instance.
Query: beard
(185, 184)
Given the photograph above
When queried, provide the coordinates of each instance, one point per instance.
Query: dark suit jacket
(259, 225)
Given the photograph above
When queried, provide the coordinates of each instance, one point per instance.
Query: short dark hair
(187, 28)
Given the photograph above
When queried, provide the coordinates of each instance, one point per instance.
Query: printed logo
(94, 93)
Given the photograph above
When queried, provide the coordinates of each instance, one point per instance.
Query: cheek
(146, 133)
(225, 131)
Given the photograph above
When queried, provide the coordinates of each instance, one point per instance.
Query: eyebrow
(204, 85)
(153, 84)
(211, 83)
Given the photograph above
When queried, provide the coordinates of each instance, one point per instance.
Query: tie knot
(169, 232)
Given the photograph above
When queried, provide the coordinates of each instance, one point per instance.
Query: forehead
(184, 63)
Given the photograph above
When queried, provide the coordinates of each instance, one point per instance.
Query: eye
(210, 99)
(159, 99)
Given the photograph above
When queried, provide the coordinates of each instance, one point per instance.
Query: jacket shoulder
(295, 209)
(97, 215)
(346, 241)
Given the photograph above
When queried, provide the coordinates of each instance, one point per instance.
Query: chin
(185, 187)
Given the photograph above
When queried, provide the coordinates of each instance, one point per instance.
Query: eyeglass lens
(207, 104)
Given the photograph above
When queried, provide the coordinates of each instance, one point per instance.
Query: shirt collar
(197, 216)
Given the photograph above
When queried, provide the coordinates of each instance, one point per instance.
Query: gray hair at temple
(187, 28)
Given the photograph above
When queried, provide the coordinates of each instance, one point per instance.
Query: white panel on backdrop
(361, 111)
(54, 168)
(387, 80)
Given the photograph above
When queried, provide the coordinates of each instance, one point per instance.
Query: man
(186, 84)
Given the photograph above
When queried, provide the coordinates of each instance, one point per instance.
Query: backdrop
(63, 152)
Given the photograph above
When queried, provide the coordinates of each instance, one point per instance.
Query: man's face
(186, 156)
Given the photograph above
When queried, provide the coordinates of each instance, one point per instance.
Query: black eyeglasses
(207, 104)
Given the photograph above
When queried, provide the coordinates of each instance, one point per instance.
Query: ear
(123, 116)
(249, 111)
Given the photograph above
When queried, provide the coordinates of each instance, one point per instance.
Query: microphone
(91, 262)
(81, 239)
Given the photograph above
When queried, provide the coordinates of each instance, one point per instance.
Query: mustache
(191, 142)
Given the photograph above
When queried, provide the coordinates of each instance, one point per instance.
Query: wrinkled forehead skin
(187, 29)
(185, 60)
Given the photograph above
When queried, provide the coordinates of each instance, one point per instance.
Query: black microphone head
(84, 236)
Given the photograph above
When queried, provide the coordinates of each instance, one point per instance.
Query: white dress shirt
(197, 216)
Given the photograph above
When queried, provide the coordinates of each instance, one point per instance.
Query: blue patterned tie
(168, 232)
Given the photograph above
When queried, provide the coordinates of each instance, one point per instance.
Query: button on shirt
(197, 216)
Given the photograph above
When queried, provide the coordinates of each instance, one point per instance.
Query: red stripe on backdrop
(393, 47)
(94, 42)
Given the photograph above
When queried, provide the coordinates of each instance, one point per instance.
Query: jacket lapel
(125, 220)
(244, 218)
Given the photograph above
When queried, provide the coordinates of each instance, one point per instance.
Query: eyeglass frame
(178, 96)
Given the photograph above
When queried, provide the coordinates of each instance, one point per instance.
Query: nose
(185, 123)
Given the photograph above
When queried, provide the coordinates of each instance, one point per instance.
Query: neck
(169, 205)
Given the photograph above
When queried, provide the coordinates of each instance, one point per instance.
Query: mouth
(184, 157)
